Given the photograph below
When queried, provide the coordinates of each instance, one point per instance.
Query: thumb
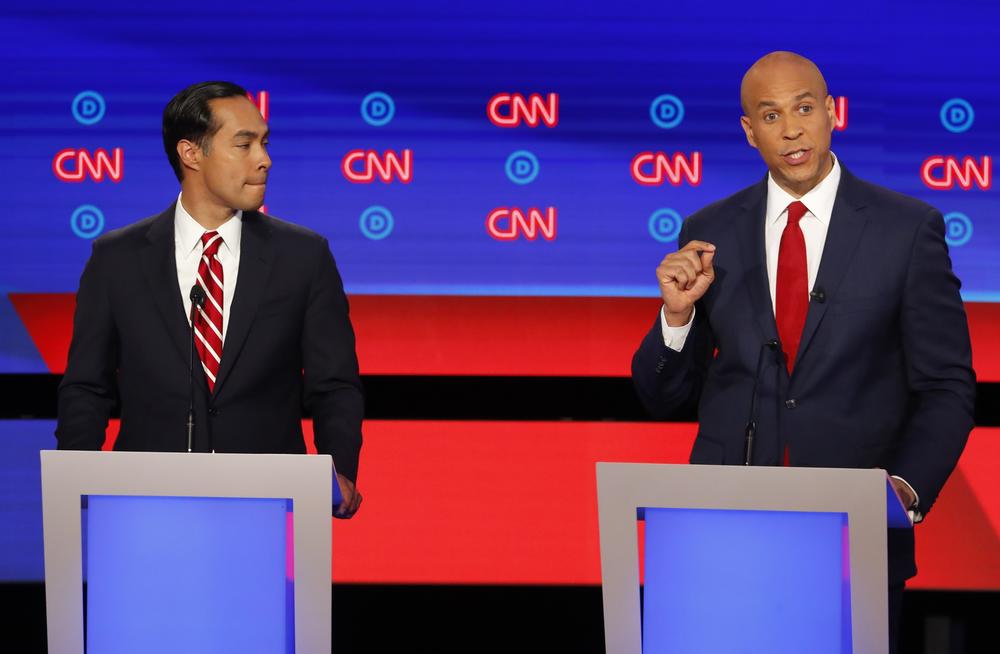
(706, 263)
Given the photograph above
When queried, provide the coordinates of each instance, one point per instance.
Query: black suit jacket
(289, 345)
(883, 375)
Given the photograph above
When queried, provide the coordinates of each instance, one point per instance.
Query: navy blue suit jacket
(883, 375)
(289, 345)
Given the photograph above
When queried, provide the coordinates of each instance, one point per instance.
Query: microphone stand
(197, 302)
(751, 428)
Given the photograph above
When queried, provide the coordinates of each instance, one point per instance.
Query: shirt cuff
(675, 337)
(915, 515)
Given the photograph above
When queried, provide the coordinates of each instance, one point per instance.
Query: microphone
(818, 295)
(751, 429)
(197, 302)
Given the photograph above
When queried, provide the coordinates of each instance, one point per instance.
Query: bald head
(777, 66)
(788, 116)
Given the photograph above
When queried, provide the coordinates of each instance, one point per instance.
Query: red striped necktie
(208, 321)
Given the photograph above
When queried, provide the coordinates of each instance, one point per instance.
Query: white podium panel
(187, 552)
(757, 559)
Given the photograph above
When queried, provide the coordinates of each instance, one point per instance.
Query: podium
(181, 552)
(745, 559)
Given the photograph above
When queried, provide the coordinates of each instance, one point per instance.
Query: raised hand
(684, 277)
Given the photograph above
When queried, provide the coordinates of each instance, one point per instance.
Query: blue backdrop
(920, 79)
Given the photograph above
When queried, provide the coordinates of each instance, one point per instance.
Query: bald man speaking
(834, 295)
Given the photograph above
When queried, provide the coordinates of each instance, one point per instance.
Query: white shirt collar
(187, 230)
(819, 200)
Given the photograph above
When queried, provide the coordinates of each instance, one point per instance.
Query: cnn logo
(262, 102)
(840, 113)
(943, 173)
(75, 165)
(509, 224)
(513, 109)
(655, 168)
(365, 166)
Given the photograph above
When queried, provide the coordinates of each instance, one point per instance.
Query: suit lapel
(846, 227)
(256, 256)
(751, 232)
(159, 267)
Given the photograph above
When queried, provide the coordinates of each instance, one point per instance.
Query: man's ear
(831, 111)
(748, 129)
(189, 154)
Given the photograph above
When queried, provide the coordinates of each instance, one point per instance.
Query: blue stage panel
(716, 580)
(181, 574)
(21, 551)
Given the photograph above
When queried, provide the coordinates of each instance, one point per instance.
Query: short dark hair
(188, 117)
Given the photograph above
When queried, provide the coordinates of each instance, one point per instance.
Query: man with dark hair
(854, 284)
(189, 116)
(276, 341)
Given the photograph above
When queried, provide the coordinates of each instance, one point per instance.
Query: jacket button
(790, 404)
(213, 412)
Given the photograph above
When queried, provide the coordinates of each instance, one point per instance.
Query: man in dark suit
(271, 325)
(835, 295)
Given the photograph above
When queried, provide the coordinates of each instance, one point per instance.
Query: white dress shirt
(188, 248)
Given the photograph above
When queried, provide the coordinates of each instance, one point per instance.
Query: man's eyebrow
(772, 103)
(249, 133)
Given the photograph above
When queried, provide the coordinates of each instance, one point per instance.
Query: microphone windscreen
(197, 295)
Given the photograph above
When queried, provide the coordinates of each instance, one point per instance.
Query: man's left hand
(906, 495)
(352, 498)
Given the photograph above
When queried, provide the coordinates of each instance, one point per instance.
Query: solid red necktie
(208, 321)
(791, 301)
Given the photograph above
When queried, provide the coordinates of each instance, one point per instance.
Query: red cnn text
(513, 109)
(655, 168)
(365, 166)
(75, 165)
(840, 113)
(511, 223)
(942, 173)
(263, 102)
